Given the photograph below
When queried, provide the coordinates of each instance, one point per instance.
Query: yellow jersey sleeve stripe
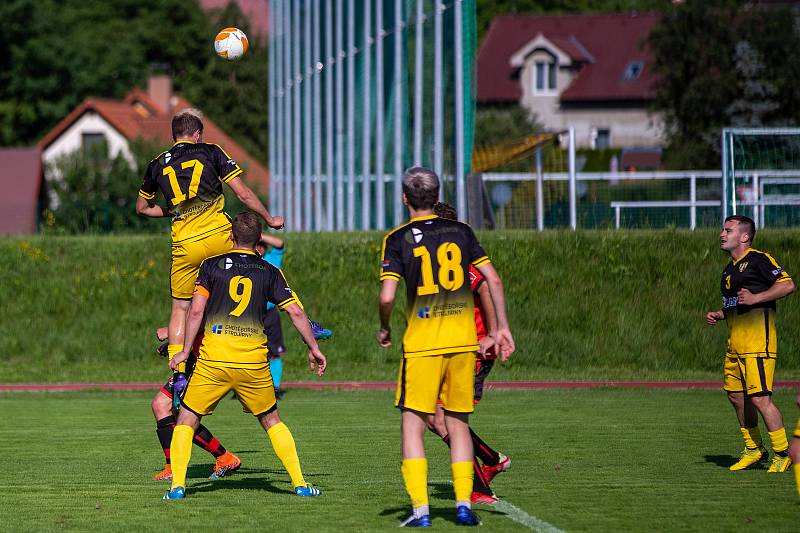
(783, 278)
(223, 150)
(390, 275)
(481, 261)
(232, 174)
(147, 195)
(287, 302)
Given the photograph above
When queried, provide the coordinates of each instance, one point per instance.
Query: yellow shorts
(448, 378)
(186, 259)
(209, 384)
(751, 375)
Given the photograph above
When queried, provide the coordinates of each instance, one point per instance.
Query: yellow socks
(180, 453)
(778, 440)
(415, 476)
(283, 444)
(172, 351)
(462, 481)
(752, 437)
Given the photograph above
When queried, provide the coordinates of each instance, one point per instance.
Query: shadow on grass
(446, 511)
(725, 461)
(247, 483)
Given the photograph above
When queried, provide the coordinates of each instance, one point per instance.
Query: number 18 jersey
(433, 255)
(190, 175)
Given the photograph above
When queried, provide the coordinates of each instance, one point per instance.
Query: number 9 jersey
(190, 175)
(433, 255)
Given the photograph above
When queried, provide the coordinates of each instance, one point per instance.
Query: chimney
(159, 89)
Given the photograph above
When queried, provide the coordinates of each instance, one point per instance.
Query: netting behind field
(359, 91)
(762, 174)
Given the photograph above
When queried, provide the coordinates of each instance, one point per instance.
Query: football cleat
(780, 463)
(482, 498)
(225, 463)
(164, 475)
(178, 493)
(416, 521)
(308, 491)
(490, 471)
(749, 458)
(466, 517)
(320, 333)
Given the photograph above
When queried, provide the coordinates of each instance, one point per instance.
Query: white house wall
(72, 138)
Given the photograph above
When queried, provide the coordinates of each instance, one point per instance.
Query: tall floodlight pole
(287, 69)
(461, 190)
(279, 106)
(351, 115)
(329, 58)
(308, 146)
(297, 223)
(339, 66)
(380, 209)
(438, 96)
(398, 113)
(420, 19)
(366, 145)
(271, 106)
(317, 104)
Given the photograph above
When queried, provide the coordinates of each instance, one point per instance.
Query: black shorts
(482, 369)
(272, 326)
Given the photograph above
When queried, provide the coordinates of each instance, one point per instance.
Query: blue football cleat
(307, 492)
(178, 493)
(466, 517)
(416, 521)
(320, 333)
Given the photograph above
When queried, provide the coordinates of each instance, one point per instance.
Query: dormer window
(633, 70)
(544, 77)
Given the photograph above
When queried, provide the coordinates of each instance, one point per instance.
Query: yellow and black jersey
(751, 328)
(433, 255)
(190, 176)
(238, 286)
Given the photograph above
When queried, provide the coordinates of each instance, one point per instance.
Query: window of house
(544, 77)
(602, 139)
(633, 70)
(90, 140)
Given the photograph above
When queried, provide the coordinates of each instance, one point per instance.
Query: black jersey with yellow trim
(433, 255)
(238, 286)
(751, 328)
(190, 176)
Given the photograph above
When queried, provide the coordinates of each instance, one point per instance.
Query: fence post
(573, 201)
(757, 203)
(617, 213)
(539, 190)
(693, 200)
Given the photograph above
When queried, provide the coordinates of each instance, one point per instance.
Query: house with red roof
(592, 72)
(140, 115)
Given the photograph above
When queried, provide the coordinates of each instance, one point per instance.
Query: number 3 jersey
(190, 175)
(433, 255)
(751, 328)
(238, 286)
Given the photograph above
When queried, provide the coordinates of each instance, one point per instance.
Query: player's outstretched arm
(146, 209)
(249, 198)
(272, 240)
(193, 322)
(315, 357)
(504, 342)
(385, 306)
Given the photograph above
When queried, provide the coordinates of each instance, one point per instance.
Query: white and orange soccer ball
(231, 44)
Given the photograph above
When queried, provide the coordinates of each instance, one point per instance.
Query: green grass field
(590, 304)
(599, 460)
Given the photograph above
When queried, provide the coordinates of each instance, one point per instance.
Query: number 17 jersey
(433, 255)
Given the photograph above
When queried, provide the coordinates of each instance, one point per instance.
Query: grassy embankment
(592, 304)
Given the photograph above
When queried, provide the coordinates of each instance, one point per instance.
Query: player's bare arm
(147, 209)
(249, 198)
(712, 317)
(272, 240)
(490, 316)
(193, 322)
(315, 357)
(504, 342)
(778, 290)
(385, 306)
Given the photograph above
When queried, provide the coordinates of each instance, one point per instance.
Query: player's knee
(736, 398)
(269, 419)
(761, 402)
(161, 405)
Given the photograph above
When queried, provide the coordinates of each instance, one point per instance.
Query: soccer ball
(231, 43)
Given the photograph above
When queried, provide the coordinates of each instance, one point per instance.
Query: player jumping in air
(433, 256)
(230, 298)
(162, 406)
(751, 283)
